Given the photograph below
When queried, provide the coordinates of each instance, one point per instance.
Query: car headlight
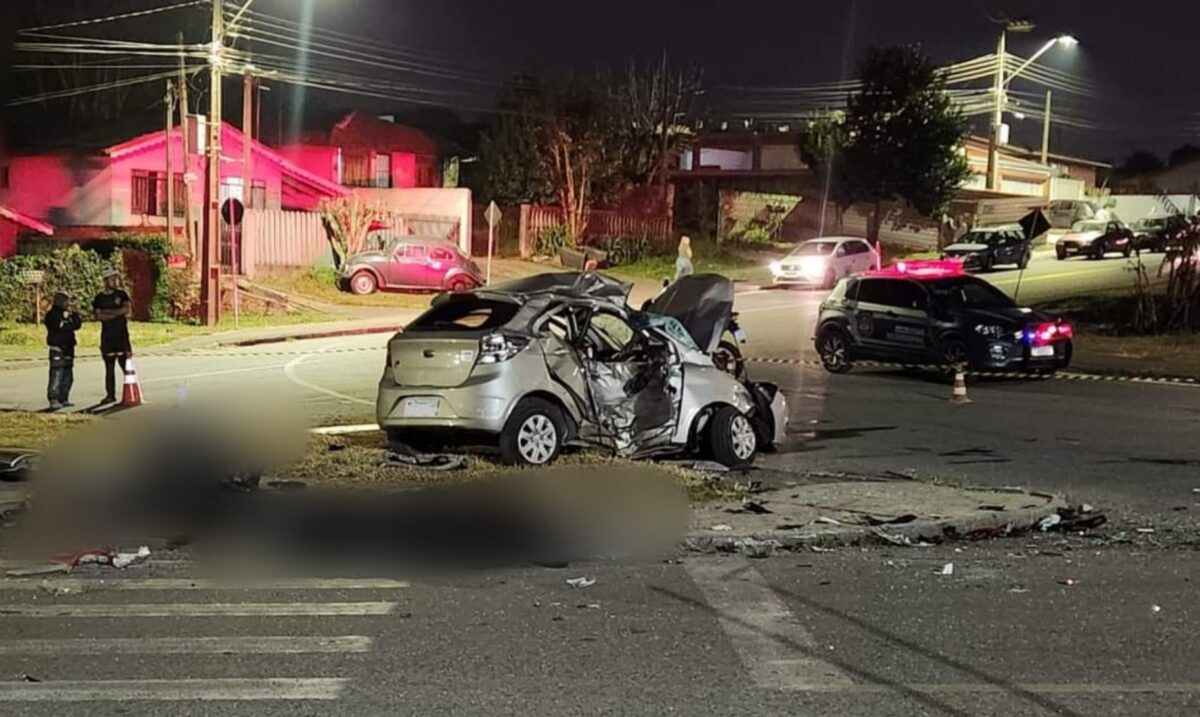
(496, 348)
(776, 267)
(812, 267)
(990, 330)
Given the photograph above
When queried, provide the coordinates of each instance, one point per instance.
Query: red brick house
(361, 150)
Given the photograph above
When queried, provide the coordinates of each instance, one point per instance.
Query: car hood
(1081, 236)
(571, 284)
(966, 248)
(703, 303)
(1010, 318)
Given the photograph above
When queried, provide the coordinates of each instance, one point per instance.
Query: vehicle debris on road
(581, 582)
(947, 569)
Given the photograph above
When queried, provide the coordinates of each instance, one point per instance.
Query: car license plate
(420, 407)
(1041, 351)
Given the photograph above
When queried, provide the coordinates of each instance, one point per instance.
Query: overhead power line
(113, 18)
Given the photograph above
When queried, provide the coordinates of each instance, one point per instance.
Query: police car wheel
(954, 353)
(834, 350)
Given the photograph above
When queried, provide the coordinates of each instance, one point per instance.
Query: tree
(347, 221)
(899, 140)
(1141, 162)
(1183, 153)
(656, 107)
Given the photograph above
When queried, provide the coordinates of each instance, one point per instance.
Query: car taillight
(496, 348)
(1051, 332)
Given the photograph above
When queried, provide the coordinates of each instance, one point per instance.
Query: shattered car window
(466, 313)
(670, 326)
(612, 329)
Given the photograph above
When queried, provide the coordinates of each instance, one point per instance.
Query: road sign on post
(492, 215)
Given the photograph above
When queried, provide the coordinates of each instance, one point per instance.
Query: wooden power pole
(184, 135)
(210, 263)
(169, 101)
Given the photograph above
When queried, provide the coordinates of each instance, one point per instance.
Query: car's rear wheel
(460, 284)
(534, 434)
(1127, 251)
(363, 283)
(1097, 251)
(834, 350)
(1060, 252)
(731, 438)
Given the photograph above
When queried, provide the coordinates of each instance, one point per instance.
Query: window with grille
(149, 193)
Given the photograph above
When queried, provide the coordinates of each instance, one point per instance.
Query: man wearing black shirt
(61, 321)
(112, 309)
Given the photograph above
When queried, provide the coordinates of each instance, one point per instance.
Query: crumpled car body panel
(703, 303)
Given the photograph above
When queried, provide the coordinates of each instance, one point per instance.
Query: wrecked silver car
(560, 360)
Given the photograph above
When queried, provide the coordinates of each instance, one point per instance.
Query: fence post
(524, 242)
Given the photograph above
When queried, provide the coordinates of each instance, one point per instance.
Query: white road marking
(1009, 688)
(204, 374)
(289, 370)
(267, 688)
(776, 649)
(340, 430)
(272, 609)
(204, 584)
(181, 645)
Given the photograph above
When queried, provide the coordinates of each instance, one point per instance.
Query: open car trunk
(703, 303)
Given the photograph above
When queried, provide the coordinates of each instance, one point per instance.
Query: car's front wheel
(534, 434)
(1127, 251)
(834, 350)
(1060, 252)
(363, 283)
(954, 353)
(731, 438)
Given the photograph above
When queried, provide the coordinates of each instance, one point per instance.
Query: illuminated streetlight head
(1067, 41)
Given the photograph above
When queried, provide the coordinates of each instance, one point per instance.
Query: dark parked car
(931, 312)
(1160, 233)
(1094, 238)
(983, 249)
(411, 263)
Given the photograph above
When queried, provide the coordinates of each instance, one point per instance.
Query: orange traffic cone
(960, 386)
(131, 394)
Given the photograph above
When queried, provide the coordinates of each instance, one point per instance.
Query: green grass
(38, 431)
(707, 257)
(19, 339)
(321, 285)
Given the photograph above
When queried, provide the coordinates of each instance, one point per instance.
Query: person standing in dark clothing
(112, 308)
(61, 321)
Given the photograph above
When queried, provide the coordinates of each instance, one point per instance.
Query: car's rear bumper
(476, 407)
(1019, 357)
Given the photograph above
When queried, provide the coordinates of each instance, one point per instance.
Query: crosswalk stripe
(273, 609)
(776, 649)
(271, 688)
(203, 584)
(261, 645)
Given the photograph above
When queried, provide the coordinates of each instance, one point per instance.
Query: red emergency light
(921, 269)
(1048, 333)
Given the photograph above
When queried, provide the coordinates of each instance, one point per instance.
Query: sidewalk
(388, 322)
(898, 512)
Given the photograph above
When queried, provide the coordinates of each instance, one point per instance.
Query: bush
(624, 250)
(181, 292)
(73, 271)
(157, 247)
(757, 235)
(552, 239)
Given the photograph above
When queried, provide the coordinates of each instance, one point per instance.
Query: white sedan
(821, 262)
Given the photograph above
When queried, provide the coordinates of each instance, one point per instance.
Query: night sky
(1141, 58)
(1144, 56)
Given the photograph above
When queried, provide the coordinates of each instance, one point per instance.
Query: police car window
(969, 293)
(908, 295)
(890, 292)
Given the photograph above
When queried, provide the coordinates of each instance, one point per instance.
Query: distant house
(361, 150)
(124, 185)
(13, 225)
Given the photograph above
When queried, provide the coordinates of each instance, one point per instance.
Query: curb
(391, 329)
(761, 544)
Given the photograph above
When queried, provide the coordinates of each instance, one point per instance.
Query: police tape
(1024, 375)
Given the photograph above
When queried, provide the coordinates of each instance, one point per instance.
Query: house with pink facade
(361, 150)
(14, 224)
(124, 186)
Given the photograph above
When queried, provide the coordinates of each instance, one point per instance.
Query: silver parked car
(559, 360)
(410, 262)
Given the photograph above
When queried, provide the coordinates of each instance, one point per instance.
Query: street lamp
(1001, 97)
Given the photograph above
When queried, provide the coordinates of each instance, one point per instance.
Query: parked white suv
(821, 262)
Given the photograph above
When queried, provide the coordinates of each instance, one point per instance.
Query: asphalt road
(847, 633)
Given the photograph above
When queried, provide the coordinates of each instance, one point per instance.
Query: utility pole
(184, 129)
(239, 236)
(1046, 131)
(993, 163)
(210, 265)
(169, 101)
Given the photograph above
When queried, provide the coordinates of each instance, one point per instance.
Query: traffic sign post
(233, 211)
(492, 215)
